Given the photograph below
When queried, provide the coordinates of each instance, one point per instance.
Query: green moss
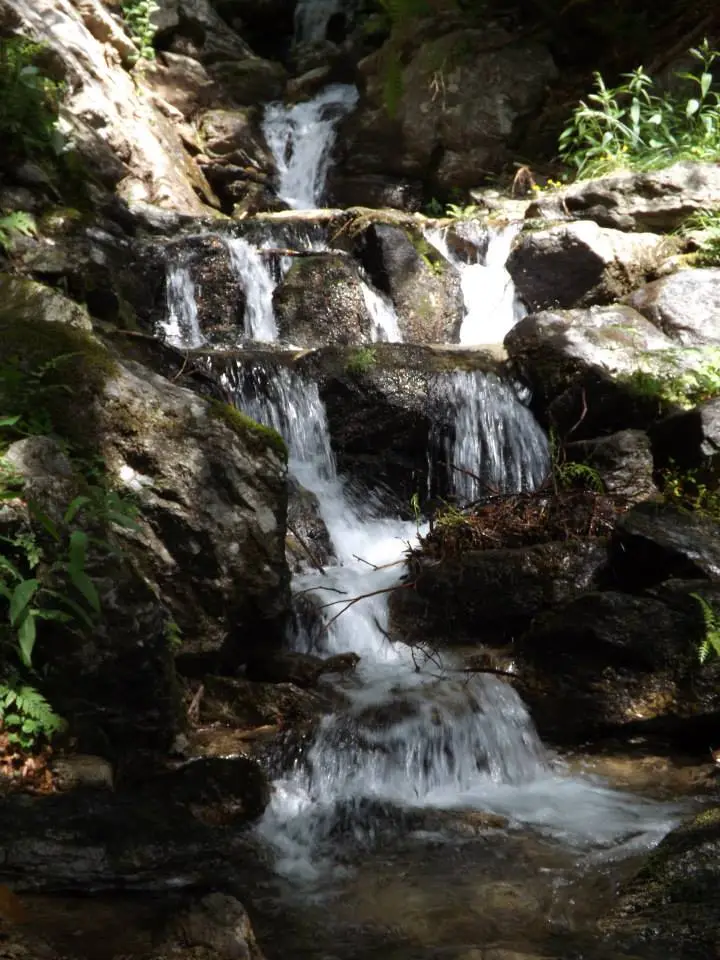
(360, 361)
(249, 429)
(432, 258)
(60, 220)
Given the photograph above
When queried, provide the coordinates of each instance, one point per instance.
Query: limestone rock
(321, 301)
(658, 200)
(580, 264)
(685, 306)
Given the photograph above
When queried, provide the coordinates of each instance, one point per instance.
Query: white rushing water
(181, 327)
(382, 312)
(301, 138)
(413, 736)
(491, 306)
(495, 444)
(256, 275)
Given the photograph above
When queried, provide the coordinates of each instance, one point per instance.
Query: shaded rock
(234, 136)
(321, 301)
(685, 305)
(250, 81)
(607, 660)
(306, 86)
(374, 190)
(301, 669)
(215, 790)
(82, 770)
(580, 264)
(623, 462)
(193, 28)
(658, 200)
(27, 299)
(491, 595)
(690, 439)
(670, 904)
(182, 82)
(423, 286)
(216, 927)
(655, 541)
(307, 533)
(248, 704)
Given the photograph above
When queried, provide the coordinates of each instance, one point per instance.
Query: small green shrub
(138, 16)
(688, 489)
(29, 102)
(707, 224)
(12, 224)
(632, 125)
(360, 361)
(675, 386)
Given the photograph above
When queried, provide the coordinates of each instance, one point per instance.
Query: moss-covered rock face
(249, 430)
(671, 906)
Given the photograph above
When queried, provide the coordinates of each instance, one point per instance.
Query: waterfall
(181, 327)
(409, 738)
(496, 446)
(301, 138)
(491, 306)
(312, 18)
(255, 273)
(383, 315)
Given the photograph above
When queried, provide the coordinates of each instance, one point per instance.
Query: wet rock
(603, 369)
(374, 190)
(656, 541)
(301, 669)
(320, 301)
(611, 660)
(423, 286)
(491, 595)
(193, 28)
(216, 927)
(250, 81)
(685, 306)
(659, 200)
(580, 264)
(247, 704)
(670, 906)
(383, 403)
(307, 533)
(82, 770)
(623, 462)
(20, 944)
(690, 439)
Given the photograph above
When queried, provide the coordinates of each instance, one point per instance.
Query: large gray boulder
(658, 200)
(580, 264)
(685, 306)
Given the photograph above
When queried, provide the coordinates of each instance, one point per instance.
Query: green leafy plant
(29, 101)
(570, 474)
(705, 226)
(138, 16)
(26, 716)
(360, 361)
(632, 125)
(12, 224)
(710, 644)
(688, 489)
(459, 212)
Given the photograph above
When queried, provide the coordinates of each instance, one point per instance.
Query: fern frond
(711, 641)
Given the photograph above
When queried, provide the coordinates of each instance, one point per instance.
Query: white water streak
(385, 324)
(255, 273)
(491, 306)
(301, 138)
(181, 328)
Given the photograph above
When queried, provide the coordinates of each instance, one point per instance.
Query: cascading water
(495, 446)
(312, 18)
(491, 306)
(255, 272)
(384, 318)
(181, 327)
(301, 138)
(410, 738)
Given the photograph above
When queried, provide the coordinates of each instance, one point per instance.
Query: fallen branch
(362, 596)
(307, 550)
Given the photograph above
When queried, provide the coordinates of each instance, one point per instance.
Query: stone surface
(320, 302)
(244, 703)
(670, 905)
(689, 440)
(655, 541)
(308, 541)
(659, 200)
(423, 286)
(105, 114)
(685, 305)
(216, 927)
(26, 299)
(609, 660)
(489, 596)
(623, 461)
(580, 264)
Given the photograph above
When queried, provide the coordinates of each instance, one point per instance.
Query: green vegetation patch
(249, 429)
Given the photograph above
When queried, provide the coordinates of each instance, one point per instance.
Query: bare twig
(307, 550)
(193, 711)
(301, 593)
(362, 596)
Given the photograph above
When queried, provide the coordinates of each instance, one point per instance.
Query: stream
(426, 818)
